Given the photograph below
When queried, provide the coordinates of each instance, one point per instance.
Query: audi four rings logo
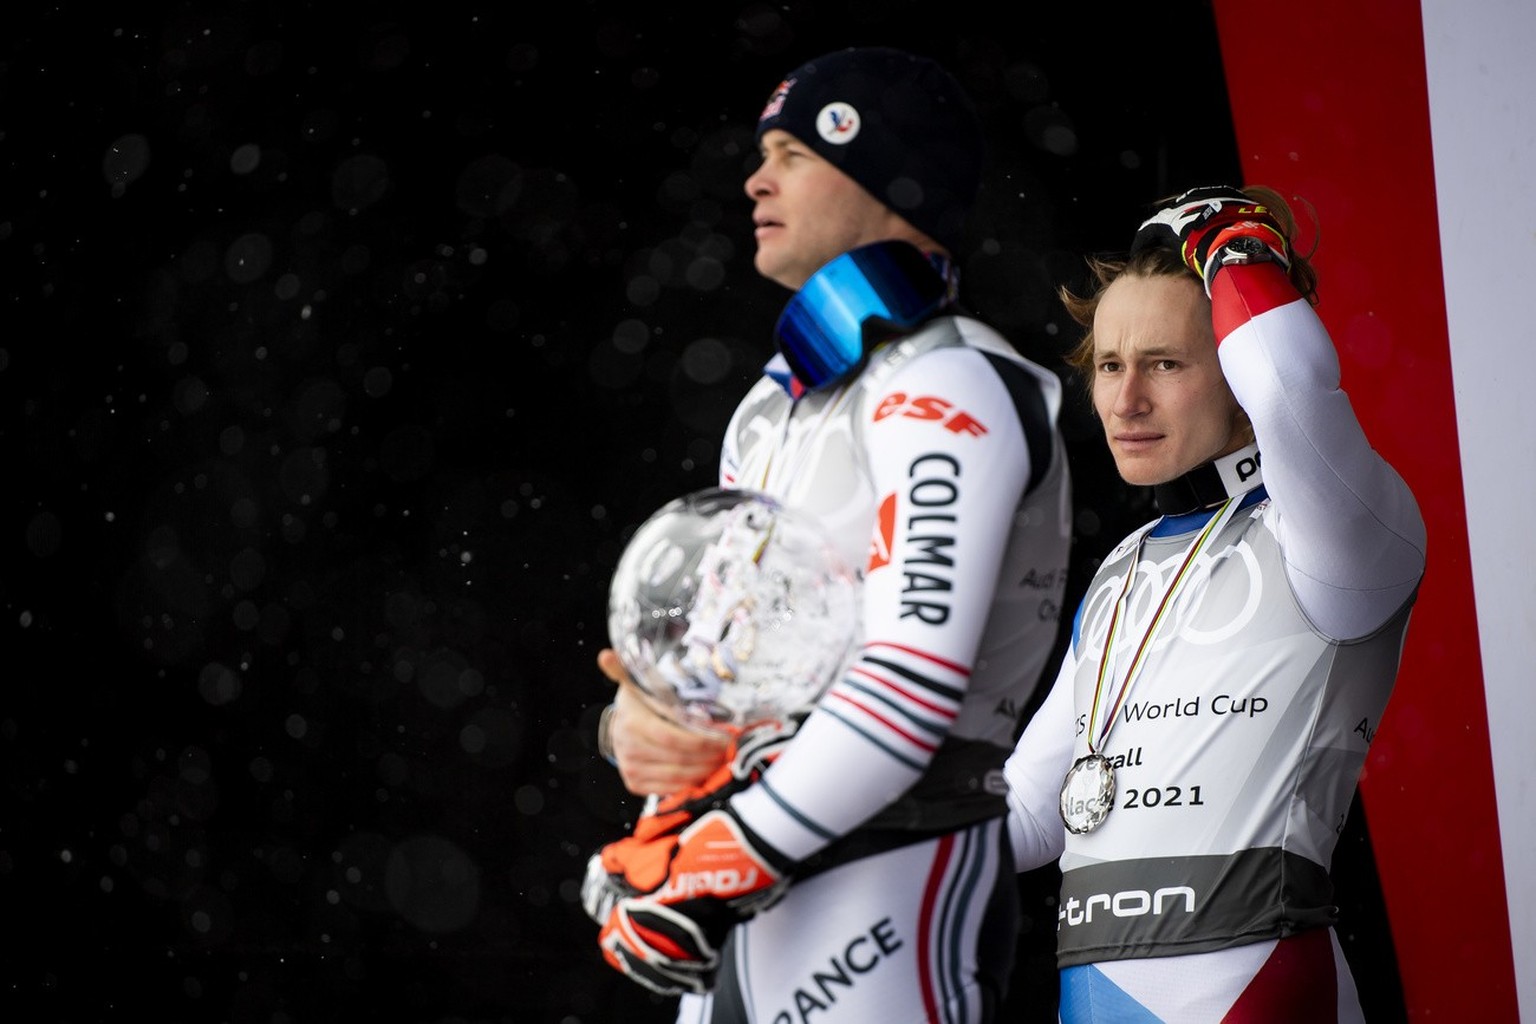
(1243, 570)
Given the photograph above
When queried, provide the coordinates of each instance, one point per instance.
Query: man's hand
(1213, 226)
(653, 753)
(669, 940)
(639, 863)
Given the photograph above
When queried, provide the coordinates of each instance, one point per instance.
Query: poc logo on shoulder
(1238, 468)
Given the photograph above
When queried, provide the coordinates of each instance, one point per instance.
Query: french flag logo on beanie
(838, 123)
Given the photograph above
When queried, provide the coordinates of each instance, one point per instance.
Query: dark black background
(340, 350)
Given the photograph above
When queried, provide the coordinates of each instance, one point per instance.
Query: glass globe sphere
(730, 610)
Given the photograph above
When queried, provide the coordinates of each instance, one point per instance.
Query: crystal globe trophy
(730, 610)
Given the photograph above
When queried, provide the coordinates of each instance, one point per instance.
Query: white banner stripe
(1482, 101)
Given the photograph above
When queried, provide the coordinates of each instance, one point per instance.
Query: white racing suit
(940, 471)
(1205, 894)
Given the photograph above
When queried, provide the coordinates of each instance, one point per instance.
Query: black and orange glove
(719, 875)
(638, 863)
(1212, 227)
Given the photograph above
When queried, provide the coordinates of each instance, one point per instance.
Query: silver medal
(1087, 793)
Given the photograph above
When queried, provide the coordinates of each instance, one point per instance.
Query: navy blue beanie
(896, 123)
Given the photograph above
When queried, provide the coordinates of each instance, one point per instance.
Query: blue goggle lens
(822, 330)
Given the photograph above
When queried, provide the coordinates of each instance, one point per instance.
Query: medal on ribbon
(1088, 790)
(1088, 793)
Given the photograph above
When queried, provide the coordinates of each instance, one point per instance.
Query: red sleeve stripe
(948, 711)
(916, 741)
(947, 691)
(1241, 292)
(951, 665)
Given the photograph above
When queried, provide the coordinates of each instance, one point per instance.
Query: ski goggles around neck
(856, 301)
